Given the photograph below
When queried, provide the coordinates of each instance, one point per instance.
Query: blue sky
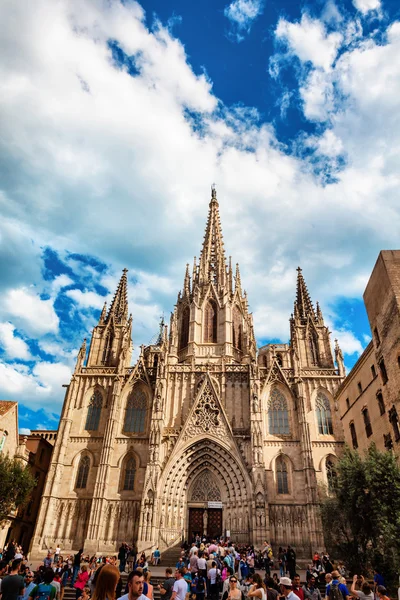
(116, 117)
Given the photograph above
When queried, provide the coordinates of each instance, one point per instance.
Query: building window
(94, 412)
(373, 371)
(210, 323)
(3, 439)
(376, 336)
(367, 422)
(135, 414)
(382, 369)
(347, 403)
(387, 440)
(184, 335)
(278, 415)
(279, 360)
(381, 403)
(83, 473)
(129, 474)
(359, 387)
(281, 476)
(398, 361)
(237, 328)
(324, 415)
(41, 455)
(313, 349)
(353, 436)
(331, 474)
(107, 348)
(394, 419)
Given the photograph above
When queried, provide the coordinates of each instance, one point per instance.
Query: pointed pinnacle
(238, 283)
(212, 258)
(186, 283)
(119, 305)
(103, 314)
(303, 299)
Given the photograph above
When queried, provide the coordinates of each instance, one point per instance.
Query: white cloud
(348, 342)
(24, 431)
(35, 315)
(310, 41)
(86, 299)
(365, 6)
(14, 346)
(241, 14)
(59, 282)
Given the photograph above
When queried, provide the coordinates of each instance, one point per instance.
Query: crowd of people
(213, 570)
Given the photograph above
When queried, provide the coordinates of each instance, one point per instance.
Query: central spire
(212, 268)
(119, 305)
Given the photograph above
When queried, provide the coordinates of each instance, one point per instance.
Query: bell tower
(111, 343)
(211, 318)
(310, 342)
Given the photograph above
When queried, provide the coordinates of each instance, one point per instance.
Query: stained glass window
(324, 415)
(278, 415)
(83, 473)
(129, 474)
(184, 335)
(282, 476)
(94, 412)
(210, 322)
(135, 414)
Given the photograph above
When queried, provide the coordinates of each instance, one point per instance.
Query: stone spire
(119, 305)
(212, 258)
(238, 282)
(303, 306)
(186, 282)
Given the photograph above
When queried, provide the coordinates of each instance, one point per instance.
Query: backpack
(44, 591)
(335, 592)
(200, 585)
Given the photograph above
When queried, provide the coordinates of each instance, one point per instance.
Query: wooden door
(195, 522)
(214, 525)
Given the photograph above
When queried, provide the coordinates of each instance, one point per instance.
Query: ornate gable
(276, 374)
(206, 416)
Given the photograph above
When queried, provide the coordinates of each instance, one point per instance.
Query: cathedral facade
(205, 433)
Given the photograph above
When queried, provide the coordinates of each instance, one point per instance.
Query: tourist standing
(166, 587)
(77, 566)
(342, 588)
(13, 584)
(214, 576)
(365, 593)
(296, 586)
(122, 555)
(180, 587)
(44, 590)
(257, 590)
(106, 583)
(291, 561)
(81, 581)
(310, 591)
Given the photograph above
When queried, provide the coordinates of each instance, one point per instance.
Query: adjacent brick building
(369, 397)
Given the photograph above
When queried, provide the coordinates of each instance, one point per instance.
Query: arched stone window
(83, 473)
(107, 348)
(184, 333)
(324, 415)
(278, 415)
(135, 413)
(94, 411)
(210, 323)
(331, 474)
(237, 328)
(129, 474)
(313, 348)
(282, 480)
(279, 360)
(3, 438)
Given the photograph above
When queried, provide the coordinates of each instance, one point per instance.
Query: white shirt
(126, 597)
(58, 550)
(202, 563)
(192, 550)
(181, 588)
(212, 575)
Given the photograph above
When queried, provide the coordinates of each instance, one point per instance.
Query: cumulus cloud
(310, 41)
(36, 315)
(111, 153)
(241, 14)
(13, 346)
(365, 6)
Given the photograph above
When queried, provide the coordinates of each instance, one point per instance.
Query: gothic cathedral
(205, 434)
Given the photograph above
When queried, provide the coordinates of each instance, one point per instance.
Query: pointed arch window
(129, 474)
(282, 480)
(83, 473)
(278, 414)
(94, 412)
(135, 413)
(331, 474)
(313, 345)
(237, 328)
(210, 323)
(184, 333)
(324, 414)
(107, 348)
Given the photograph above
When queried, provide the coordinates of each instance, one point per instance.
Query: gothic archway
(212, 458)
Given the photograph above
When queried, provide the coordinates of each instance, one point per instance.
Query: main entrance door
(214, 525)
(195, 522)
